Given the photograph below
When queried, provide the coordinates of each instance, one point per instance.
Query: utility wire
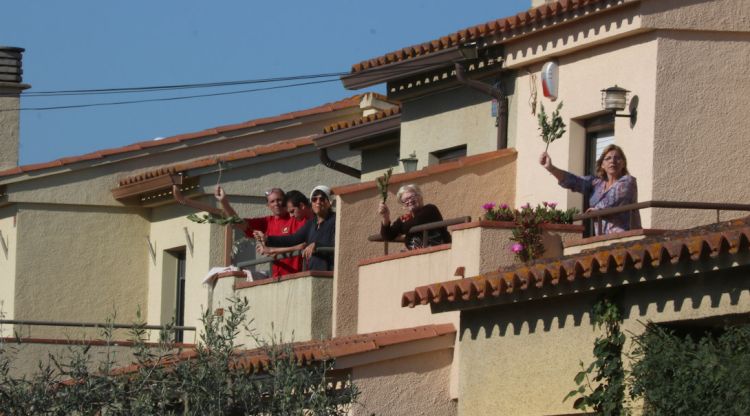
(120, 90)
(186, 97)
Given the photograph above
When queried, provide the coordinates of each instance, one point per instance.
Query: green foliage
(382, 182)
(210, 382)
(527, 234)
(601, 385)
(553, 129)
(214, 219)
(680, 375)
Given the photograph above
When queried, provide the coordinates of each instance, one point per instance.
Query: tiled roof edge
(679, 246)
(505, 25)
(349, 102)
(248, 153)
(343, 125)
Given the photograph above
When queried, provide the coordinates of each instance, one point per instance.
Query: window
(173, 289)
(447, 155)
(600, 133)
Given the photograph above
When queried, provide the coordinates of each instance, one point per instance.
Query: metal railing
(264, 260)
(178, 330)
(423, 228)
(631, 208)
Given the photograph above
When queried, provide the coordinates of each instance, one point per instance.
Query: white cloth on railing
(214, 273)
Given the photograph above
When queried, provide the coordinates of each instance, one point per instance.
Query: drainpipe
(495, 92)
(329, 163)
(200, 206)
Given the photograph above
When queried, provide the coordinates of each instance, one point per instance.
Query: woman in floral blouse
(611, 186)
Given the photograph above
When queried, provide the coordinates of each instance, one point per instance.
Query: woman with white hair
(410, 197)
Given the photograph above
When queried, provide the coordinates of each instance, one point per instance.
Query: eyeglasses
(318, 199)
(410, 199)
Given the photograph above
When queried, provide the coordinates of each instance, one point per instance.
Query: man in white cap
(317, 233)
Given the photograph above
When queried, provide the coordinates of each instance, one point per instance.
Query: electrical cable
(120, 90)
(186, 97)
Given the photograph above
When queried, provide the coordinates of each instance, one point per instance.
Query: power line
(61, 107)
(119, 90)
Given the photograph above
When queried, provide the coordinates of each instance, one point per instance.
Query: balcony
(296, 307)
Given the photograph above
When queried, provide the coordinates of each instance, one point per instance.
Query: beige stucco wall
(382, 284)
(704, 15)
(457, 193)
(289, 310)
(701, 131)
(630, 63)
(77, 263)
(412, 385)
(9, 124)
(447, 119)
(25, 357)
(8, 267)
(542, 342)
(167, 232)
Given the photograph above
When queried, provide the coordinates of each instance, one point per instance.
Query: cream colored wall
(701, 132)
(412, 385)
(8, 268)
(447, 119)
(9, 124)
(542, 342)
(289, 310)
(27, 356)
(629, 63)
(456, 193)
(77, 263)
(382, 284)
(704, 15)
(167, 232)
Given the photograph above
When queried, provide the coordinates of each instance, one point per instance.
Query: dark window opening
(447, 155)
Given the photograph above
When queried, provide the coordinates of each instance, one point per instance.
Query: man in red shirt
(280, 223)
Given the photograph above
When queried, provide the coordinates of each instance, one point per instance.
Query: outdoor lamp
(469, 51)
(410, 163)
(614, 100)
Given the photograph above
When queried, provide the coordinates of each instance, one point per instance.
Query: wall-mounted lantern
(615, 98)
(410, 163)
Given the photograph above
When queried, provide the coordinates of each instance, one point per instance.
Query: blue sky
(79, 44)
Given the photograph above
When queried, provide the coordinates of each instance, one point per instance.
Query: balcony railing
(717, 206)
(264, 260)
(423, 228)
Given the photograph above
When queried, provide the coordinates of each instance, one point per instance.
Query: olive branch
(383, 184)
(551, 129)
(214, 219)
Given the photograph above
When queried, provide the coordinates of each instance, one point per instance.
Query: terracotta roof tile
(342, 125)
(350, 102)
(500, 26)
(673, 247)
(215, 159)
(311, 351)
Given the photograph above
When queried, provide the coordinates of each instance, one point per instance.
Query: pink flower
(516, 248)
(552, 205)
(526, 206)
(504, 206)
(488, 206)
(545, 203)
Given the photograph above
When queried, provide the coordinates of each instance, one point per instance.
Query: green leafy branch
(215, 219)
(601, 385)
(383, 184)
(553, 129)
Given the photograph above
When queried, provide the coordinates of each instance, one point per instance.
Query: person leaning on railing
(611, 186)
(410, 197)
(318, 232)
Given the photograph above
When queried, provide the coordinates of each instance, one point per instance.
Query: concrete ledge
(571, 228)
(403, 254)
(270, 280)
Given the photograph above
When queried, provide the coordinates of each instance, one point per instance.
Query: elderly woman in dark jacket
(410, 197)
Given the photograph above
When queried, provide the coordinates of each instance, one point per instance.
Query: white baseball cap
(322, 188)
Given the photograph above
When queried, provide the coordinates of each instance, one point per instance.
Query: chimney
(10, 100)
